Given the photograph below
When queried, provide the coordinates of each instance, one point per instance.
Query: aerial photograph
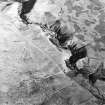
(52, 52)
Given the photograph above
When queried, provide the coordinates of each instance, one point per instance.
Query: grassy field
(31, 66)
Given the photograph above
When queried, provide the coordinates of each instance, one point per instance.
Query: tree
(89, 79)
